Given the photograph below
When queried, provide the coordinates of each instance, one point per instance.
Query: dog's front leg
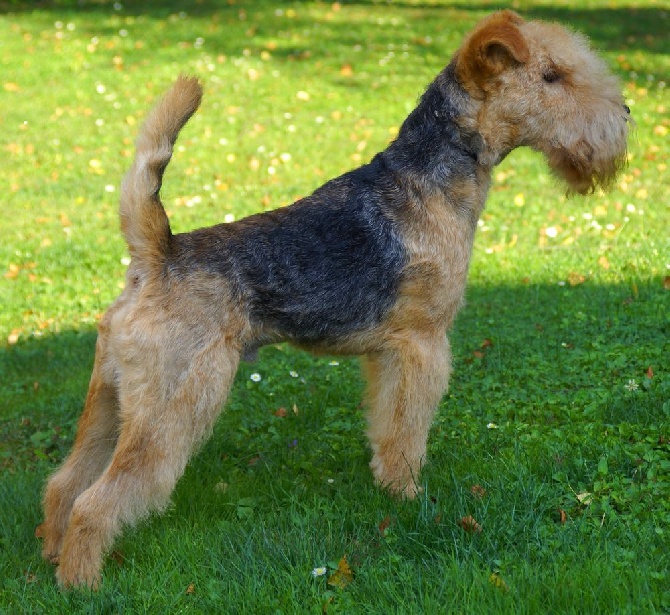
(405, 384)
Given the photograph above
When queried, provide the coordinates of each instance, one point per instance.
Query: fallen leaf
(666, 282)
(497, 581)
(575, 279)
(190, 589)
(346, 70)
(12, 271)
(650, 373)
(469, 524)
(281, 412)
(478, 491)
(585, 498)
(384, 525)
(563, 516)
(342, 576)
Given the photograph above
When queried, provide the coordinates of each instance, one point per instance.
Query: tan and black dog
(374, 263)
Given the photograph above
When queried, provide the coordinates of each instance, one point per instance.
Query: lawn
(548, 488)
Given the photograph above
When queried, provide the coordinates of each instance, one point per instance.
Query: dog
(373, 263)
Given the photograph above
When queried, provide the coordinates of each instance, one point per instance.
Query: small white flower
(293, 373)
(319, 572)
(551, 231)
(491, 426)
(334, 363)
(229, 218)
(256, 377)
(631, 385)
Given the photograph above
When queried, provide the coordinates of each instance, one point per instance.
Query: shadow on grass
(527, 344)
(537, 356)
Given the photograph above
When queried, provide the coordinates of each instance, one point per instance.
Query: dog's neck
(434, 152)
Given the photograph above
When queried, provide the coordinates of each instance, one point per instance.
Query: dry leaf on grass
(469, 524)
(342, 576)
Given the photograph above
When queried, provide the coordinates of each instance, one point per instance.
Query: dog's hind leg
(405, 384)
(164, 416)
(96, 438)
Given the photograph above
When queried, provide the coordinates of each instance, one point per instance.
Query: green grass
(559, 406)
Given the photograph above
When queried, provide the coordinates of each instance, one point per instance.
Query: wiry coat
(373, 263)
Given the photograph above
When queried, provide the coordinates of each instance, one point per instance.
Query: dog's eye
(551, 75)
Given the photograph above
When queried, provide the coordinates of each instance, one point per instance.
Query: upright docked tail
(144, 222)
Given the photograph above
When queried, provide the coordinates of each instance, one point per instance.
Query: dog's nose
(627, 108)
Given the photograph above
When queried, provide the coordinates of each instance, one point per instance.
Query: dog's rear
(144, 222)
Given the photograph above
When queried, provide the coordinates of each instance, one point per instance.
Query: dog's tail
(144, 222)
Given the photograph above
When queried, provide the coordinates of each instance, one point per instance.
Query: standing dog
(374, 263)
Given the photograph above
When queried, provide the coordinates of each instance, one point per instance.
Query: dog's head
(538, 84)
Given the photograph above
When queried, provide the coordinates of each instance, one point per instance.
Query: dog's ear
(495, 45)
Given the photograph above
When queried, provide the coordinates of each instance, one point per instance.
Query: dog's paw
(399, 484)
(74, 576)
(51, 544)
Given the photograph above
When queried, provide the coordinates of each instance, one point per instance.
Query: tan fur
(167, 351)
